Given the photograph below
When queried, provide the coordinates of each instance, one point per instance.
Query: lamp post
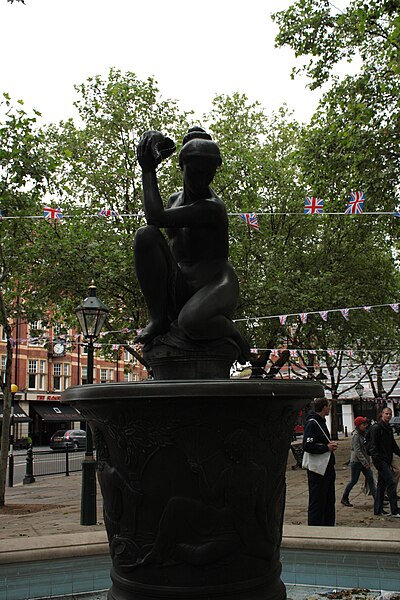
(14, 390)
(91, 314)
(360, 391)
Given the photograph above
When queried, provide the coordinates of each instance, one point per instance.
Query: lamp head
(91, 314)
(359, 389)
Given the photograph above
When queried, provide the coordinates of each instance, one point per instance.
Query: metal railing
(47, 462)
(40, 463)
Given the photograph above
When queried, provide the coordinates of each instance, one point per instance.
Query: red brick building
(45, 363)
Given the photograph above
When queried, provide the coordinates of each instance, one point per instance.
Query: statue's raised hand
(153, 148)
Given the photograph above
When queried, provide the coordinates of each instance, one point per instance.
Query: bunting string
(74, 340)
(303, 316)
(140, 215)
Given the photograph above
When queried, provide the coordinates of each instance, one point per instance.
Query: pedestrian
(396, 472)
(360, 462)
(321, 488)
(381, 447)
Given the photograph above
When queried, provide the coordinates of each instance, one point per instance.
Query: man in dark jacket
(321, 488)
(381, 447)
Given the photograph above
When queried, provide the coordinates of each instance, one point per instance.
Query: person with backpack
(381, 447)
(360, 462)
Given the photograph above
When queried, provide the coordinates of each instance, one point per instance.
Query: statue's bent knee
(147, 235)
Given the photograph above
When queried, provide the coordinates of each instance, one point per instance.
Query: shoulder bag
(316, 462)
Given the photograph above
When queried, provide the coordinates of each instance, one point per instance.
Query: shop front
(50, 416)
(19, 424)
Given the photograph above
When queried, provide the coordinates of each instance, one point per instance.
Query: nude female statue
(189, 279)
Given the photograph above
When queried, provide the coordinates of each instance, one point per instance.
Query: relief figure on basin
(229, 519)
(190, 288)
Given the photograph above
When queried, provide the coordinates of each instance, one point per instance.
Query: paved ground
(51, 505)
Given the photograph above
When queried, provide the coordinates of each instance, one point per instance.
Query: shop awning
(53, 411)
(20, 415)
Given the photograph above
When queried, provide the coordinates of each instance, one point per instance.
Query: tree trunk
(334, 417)
(5, 431)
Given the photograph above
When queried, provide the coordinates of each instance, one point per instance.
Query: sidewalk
(51, 505)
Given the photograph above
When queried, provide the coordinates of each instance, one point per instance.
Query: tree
(25, 169)
(353, 140)
(361, 113)
(98, 170)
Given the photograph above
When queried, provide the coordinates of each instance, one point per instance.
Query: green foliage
(98, 169)
(25, 174)
(352, 143)
(325, 35)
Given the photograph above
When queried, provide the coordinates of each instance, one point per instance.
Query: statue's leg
(154, 269)
(206, 315)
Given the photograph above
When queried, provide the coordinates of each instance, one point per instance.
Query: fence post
(11, 470)
(29, 478)
(66, 461)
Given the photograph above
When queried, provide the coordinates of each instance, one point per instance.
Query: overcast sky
(193, 49)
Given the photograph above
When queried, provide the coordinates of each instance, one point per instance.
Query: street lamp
(321, 376)
(14, 390)
(360, 391)
(91, 314)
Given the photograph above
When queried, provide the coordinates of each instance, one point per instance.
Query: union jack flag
(356, 204)
(251, 220)
(52, 213)
(108, 212)
(313, 205)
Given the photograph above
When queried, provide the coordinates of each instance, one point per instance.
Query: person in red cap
(359, 461)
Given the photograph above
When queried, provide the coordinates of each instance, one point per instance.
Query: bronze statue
(187, 282)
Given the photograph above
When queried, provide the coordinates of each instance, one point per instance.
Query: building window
(66, 375)
(130, 377)
(129, 358)
(106, 375)
(3, 368)
(32, 374)
(57, 373)
(37, 335)
(84, 375)
(41, 378)
(3, 334)
(57, 328)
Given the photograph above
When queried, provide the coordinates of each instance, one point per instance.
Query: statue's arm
(148, 159)
(198, 214)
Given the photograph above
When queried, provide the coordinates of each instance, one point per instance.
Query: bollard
(11, 470)
(66, 461)
(29, 478)
(345, 431)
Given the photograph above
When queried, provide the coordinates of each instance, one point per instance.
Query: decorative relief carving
(231, 473)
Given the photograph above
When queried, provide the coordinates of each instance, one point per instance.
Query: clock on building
(59, 348)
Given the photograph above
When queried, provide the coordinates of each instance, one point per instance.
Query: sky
(194, 50)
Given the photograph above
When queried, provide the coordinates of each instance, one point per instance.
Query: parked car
(71, 438)
(395, 423)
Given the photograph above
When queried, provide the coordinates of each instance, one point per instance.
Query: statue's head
(197, 144)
